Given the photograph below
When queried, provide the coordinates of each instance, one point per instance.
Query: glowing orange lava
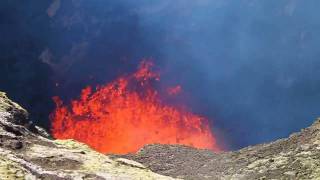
(126, 114)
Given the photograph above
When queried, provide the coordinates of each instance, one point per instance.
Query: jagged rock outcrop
(296, 157)
(27, 153)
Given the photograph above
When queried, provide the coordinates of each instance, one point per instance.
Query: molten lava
(127, 114)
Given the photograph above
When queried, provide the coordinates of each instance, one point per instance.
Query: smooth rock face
(26, 152)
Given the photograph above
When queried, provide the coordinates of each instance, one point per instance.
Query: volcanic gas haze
(128, 113)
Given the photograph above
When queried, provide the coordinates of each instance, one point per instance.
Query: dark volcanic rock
(296, 157)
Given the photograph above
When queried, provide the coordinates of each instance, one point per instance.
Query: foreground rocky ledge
(26, 152)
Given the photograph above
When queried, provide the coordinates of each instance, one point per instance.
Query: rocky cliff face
(27, 152)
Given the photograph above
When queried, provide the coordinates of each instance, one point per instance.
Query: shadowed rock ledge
(27, 152)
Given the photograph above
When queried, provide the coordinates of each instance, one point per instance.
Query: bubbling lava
(126, 114)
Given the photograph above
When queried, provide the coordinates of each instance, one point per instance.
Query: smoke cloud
(250, 66)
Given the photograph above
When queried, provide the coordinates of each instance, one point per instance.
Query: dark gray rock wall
(296, 157)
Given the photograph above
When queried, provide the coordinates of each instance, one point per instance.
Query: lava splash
(126, 114)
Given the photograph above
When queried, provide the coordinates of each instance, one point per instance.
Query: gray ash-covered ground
(296, 157)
